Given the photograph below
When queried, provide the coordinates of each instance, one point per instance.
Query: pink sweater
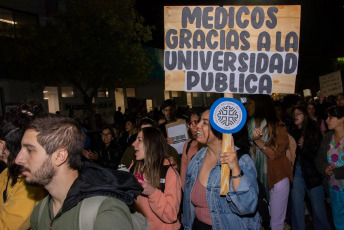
(161, 208)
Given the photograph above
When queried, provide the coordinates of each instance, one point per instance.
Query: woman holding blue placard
(203, 206)
(270, 141)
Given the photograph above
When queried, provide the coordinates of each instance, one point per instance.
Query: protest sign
(231, 49)
(331, 84)
(178, 132)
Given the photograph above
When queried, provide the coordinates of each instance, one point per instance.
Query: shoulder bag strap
(88, 211)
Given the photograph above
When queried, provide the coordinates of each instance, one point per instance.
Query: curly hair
(12, 130)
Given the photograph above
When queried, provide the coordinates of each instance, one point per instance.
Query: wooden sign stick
(226, 147)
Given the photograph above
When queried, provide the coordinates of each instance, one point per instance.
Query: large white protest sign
(231, 49)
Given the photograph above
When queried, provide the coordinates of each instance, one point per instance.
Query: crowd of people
(290, 154)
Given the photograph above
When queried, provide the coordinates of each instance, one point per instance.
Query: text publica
(227, 82)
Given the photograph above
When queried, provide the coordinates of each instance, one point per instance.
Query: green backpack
(88, 213)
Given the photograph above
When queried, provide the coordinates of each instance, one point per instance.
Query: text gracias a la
(249, 71)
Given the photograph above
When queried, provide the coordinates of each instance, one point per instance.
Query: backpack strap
(88, 211)
(163, 177)
(41, 207)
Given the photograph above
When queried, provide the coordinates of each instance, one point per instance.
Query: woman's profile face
(193, 124)
(129, 126)
(204, 133)
(138, 146)
(333, 122)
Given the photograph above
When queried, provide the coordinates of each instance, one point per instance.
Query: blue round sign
(227, 115)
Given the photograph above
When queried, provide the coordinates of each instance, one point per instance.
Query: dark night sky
(321, 35)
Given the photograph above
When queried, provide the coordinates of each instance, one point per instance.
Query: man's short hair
(56, 131)
(167, 103)
(147, 121)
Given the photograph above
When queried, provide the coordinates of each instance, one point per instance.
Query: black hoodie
(94, 180)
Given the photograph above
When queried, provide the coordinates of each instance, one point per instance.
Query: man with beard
(50, 156)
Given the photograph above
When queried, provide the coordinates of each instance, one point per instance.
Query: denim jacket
(236, 210)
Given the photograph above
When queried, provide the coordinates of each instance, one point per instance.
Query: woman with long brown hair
(160, 199)
(307, 179)
(270, 141)
(203, 206)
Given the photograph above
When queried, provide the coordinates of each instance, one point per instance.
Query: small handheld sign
(227, 115)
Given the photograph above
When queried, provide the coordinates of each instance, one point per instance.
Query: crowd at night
(171, 115)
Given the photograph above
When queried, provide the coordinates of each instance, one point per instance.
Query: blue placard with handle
(227, 115)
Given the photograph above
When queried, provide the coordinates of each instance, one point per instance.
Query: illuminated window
(51, 96)
(189, 99)
(67, 91)
(176, 94)
(103, 92)
(167, 95)
(119, 98)
(149, 104)
(10, 19)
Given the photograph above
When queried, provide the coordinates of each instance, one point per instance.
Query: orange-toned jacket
(278, 165)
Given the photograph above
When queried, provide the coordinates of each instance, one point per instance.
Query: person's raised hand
(329, 170)
(257, 134)
(148, 189)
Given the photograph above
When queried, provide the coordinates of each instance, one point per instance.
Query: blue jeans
(337, 205)
(316, 196)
